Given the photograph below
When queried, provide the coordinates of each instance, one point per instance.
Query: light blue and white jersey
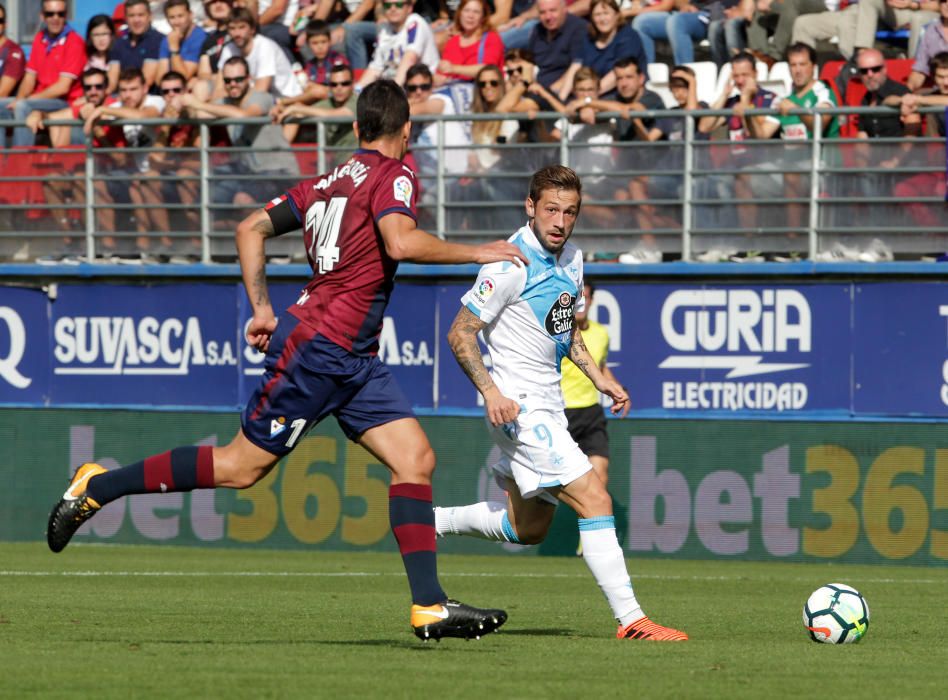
(529, 316)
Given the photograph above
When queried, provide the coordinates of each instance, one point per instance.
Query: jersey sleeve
(497, 285)
(395, 192)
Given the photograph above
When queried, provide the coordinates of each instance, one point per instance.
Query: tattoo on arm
(463, 341)
(263, 225)
(579, 354)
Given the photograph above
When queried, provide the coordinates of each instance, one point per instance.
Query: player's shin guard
(487, 520)
(180, 469)
(412, 519)
(603, 556)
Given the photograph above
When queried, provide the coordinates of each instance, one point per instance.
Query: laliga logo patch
(559, 319)
(484, 290)
(277, 426)
(402, 190)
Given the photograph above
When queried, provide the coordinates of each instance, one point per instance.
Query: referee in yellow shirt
(587, 420)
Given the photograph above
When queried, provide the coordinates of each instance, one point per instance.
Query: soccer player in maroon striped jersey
(358, 222)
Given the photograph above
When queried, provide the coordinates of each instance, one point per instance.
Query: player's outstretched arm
(405, 241)
(607, 384)
(251, 236)
(463, 341)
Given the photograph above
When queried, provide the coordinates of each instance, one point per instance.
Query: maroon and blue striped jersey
(353, 275)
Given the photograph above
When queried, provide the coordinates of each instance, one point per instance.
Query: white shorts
(538, 454)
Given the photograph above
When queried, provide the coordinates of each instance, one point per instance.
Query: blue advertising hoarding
(835, 349)
(900, 349)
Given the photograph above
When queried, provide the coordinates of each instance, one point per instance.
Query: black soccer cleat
(454, 619)
(73, 509)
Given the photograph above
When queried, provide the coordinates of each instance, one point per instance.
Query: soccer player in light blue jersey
(526, 316)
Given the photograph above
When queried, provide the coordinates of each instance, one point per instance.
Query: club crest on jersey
(277, 426)
(559, 319)
(484, 290)
(402, 190)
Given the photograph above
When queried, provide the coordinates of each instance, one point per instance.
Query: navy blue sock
(412, 519)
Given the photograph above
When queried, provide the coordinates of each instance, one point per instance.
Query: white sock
(603, 556)
(487, 520)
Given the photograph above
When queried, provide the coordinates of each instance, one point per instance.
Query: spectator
(52, 74)
(268, 157)
(515, 20)
(609, 39)
(12, 60)
(589, 140)
(275, 19)
(424, 136)
(727, 30)
(556, 43)
(522, 87)
(94, 82)
(318, 68)
(742, 95)
(931, 183)
(934, 41)
(808, 92)
(357, 32)
(404, 39)
(690, 25)
(269, 67)
(823, 26)
(776, 17)
(175, 156)
(181, 50)
(140, 46)
(218, 17)
(100, 38)
(125, 183)
(893, 14)
(339, 103)
(649, 18)
(160, 22)
(872, 70)
(472, 47)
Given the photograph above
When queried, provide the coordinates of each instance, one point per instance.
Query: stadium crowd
(293, 60)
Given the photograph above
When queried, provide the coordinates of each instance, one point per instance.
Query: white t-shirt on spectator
(391, 46)
(455, 159)
(139, 136)
(267, 60)
(292, 7)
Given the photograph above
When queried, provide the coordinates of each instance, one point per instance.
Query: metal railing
(690, 198)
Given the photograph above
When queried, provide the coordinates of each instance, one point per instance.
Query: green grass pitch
(131, 622)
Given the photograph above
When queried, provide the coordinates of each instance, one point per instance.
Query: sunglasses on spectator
(342, 83)
(488, 83)
(172, 90)
(870, 69)
(390, 5)
(54, 13)
(418, 86)
(236, 80)
(93, 86)
(3, 20)
(519, 69)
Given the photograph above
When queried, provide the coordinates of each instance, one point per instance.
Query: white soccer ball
(836, 614)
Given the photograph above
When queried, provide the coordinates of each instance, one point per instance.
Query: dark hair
(317, 27)
(589, 283)
(939, 60)
(800, 47)
(626, 62)
(177, 3)
(416, 70)
(243, 15)
(173, 75)
(519, 55)
(382, 110)
(745, 57)
(681, 68)
(237, 61)
(91, 73)
(554, 177)
(131, 74)
(132, 3)
(95, 22)
(340, 68)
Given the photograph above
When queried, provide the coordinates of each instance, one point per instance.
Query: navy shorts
(306, 378)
